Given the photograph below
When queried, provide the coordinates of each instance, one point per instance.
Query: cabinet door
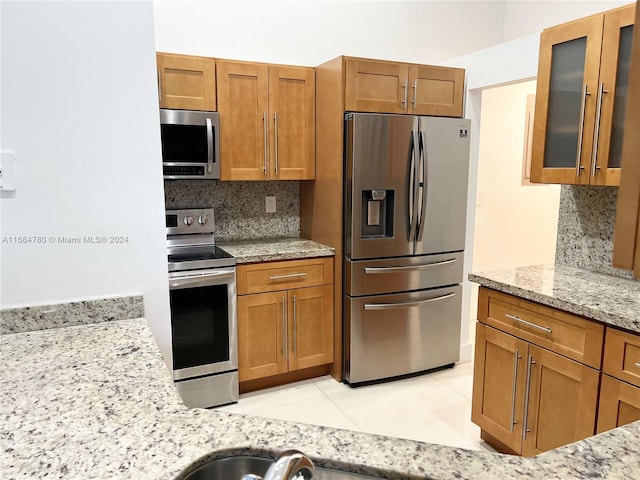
(626, 249)
(243, 104)
(310, 327)
(436, 90)
(619, 403)
(612, 96)
(292, 118)
(566, 94)
(498, 385)
(376, 86)
(186, 82)
(560, 401)
(262, 335)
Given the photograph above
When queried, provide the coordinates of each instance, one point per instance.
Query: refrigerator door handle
(412, 197)
(410, 267)
(423, 178)
(390, 306)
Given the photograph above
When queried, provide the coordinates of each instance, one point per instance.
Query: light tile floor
(434, 408)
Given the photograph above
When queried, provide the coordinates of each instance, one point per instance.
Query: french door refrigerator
(404, 222)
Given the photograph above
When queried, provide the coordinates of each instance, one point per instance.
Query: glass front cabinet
(583, 78)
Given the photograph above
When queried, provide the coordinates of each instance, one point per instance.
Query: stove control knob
(203, 219)
(188, 220)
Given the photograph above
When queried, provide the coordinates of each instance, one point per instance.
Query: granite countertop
(606, 298)
(97, 402)
(272, 249)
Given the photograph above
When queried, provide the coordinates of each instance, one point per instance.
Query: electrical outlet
(270, 203)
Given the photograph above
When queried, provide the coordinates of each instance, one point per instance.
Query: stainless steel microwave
(190, 144)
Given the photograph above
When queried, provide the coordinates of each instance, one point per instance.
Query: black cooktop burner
(198, 258)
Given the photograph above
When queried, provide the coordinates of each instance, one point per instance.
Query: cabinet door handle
(264, 141)
(596, 135)
(295, 324)
(525, 428)
(291, 275)
(415, 93)
(583, 107)
(404, 94)
(638, 364)
(520, 320)
(516, 357)
(275, 135)
(284, 326)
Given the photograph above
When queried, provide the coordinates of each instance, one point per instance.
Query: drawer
(622, 355)
(562, 332)
(272, 276)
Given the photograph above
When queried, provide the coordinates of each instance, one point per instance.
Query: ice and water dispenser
(377, 213)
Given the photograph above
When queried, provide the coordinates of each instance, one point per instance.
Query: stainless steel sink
(232, 468)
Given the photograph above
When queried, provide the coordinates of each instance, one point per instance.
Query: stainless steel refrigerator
(404, 222)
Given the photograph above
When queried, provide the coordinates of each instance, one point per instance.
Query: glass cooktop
(198, 258)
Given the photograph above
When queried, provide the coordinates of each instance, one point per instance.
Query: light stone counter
(96, 402)
(606, 298)
(273, 249)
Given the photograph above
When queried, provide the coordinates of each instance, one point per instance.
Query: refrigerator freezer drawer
(369, 277)
(391, 335)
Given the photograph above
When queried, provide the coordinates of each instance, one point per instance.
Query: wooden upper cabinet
(375, 86)
(243, 106)
(390, 87)
(436, 90)
(186, 82)
(626, 247)
(583, 77)
(292, 115)
(267, 121)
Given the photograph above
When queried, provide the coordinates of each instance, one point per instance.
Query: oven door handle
(201, 278)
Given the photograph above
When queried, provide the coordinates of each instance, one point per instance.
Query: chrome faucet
(289, 465)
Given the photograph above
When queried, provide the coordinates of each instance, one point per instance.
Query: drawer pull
(291, 275)
(410, 267)
(638, 364)
(520, 320)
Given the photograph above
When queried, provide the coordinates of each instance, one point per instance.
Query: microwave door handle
(423, 177)
(209, 145)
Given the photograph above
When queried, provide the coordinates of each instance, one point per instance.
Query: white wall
(516, 224)
(80, 111)
(310, 32)
(526, 17)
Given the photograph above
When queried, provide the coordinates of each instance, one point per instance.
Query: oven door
(203, 322)
(190, 146)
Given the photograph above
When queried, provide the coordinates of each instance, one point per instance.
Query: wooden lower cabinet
(529, 399)
(619, 403)
(284, 331)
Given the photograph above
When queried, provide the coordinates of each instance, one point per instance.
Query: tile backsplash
(239, 207)
(585, 228)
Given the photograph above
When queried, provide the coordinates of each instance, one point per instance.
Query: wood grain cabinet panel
(285, 317)
(619, 403)
(570, 335)
(626, 247)
(380, 86)
(562, 397)
(528, 396)
(622, 355)
(186, 82)
(267, 121)
(529, 399)
(583, 79)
